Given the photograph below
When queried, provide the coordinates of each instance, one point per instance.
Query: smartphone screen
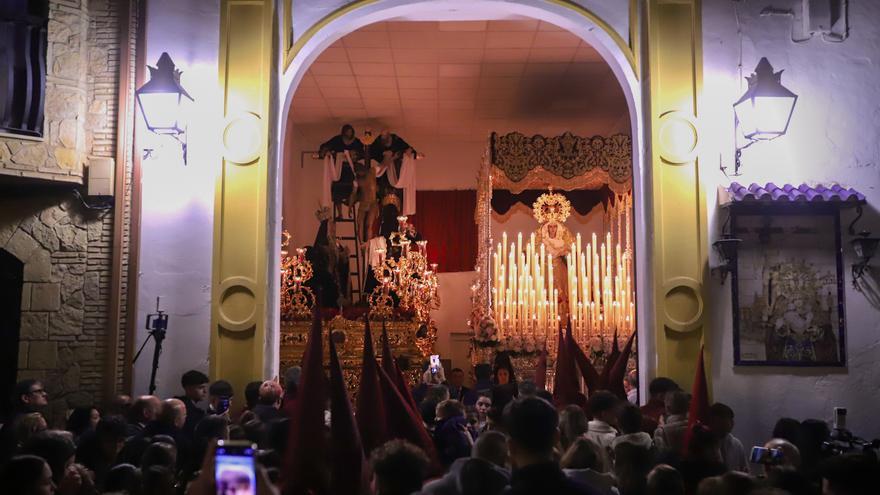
(758, 455)
(223, 405)
(435, 363)
(839, 418)
(234, 468)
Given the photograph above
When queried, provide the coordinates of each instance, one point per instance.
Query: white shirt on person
(602, 433)
(734, 454)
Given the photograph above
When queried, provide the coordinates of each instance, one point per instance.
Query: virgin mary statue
(551, 210)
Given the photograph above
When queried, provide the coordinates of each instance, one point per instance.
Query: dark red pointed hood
(567, 387)
(405, 423)
(585, 365)
(346, 452)
(609, 362)
(304, 466)
(698, 414)
(371, 417)
(390, 366)
(618, 371)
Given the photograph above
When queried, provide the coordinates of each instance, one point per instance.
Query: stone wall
(65, 245)
(53, 236)
(61, 153)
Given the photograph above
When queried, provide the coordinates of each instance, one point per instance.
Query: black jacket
(194, 414)
(545, 478)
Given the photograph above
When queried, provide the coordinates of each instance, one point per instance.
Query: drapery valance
(582, 201)
(564, 162)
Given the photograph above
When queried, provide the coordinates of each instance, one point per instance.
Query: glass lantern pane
(161, 111)
(764, 117)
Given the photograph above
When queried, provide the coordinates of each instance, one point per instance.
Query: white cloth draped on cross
(332, 173)
(406, 180)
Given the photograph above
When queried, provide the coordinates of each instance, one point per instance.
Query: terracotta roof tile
(770, 192)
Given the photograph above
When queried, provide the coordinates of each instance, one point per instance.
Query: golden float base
(349, 338)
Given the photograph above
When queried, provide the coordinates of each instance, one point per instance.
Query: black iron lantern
(864, 246)
(764, 111)
(727, 248)
(161, 100)
(162, 97)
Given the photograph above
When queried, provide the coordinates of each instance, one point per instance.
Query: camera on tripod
(158, 321)
(156, 326)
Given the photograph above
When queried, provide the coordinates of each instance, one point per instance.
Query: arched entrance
(666, 182)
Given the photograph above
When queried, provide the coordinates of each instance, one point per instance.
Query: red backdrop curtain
(446, 220)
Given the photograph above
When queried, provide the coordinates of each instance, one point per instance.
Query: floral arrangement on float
(486, 336)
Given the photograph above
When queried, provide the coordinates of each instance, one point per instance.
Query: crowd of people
(501, 436)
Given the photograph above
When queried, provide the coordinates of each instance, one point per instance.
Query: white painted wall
(833, 137)
(178, 201)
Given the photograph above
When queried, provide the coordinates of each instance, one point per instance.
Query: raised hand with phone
(229, 467)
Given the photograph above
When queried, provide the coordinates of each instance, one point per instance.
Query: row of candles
(524, 298)
(599, 289)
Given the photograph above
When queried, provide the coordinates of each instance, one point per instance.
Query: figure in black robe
(345, 141)
(323, 257)
(393, 146)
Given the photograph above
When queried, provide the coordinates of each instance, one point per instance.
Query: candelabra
(407, 274)
(297, 300)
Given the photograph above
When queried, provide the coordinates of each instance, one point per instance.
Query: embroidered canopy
(563, 162)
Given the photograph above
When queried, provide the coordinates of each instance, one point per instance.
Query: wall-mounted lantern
(865, 247)
(764, 111)
(161, 100)
(727, 248)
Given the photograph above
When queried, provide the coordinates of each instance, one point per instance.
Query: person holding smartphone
(220, 395)
(230, 468)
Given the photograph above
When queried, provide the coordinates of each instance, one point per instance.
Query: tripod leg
(158, 336)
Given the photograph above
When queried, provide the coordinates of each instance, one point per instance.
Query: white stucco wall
(178, 200)
(833, 137)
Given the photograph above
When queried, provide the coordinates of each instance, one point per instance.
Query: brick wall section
(66, 247)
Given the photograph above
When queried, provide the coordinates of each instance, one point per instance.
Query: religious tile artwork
(788, 290)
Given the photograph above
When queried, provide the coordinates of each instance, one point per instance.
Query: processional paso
(367, 258)
(532, 285)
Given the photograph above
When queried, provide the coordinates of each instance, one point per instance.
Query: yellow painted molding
(635, 35)
(293, 47)
(296, 45)
(239, 288)
(679, 248)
